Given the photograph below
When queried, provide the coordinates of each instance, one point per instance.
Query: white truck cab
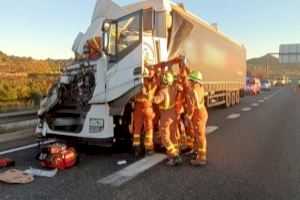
(93, 98)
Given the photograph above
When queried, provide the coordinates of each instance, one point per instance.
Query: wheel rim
(237, 97)
(228, 99)
(233, 98)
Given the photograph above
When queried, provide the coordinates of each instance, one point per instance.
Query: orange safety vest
(141, 98)
(199, 102)
(170, 99)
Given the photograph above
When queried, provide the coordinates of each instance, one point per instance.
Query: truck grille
(66, 118)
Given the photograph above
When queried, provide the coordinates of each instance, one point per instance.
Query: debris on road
(6, 162)
(15, 176)
(122, 162)
(39, 172)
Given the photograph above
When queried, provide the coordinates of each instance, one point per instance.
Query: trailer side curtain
(181, 29)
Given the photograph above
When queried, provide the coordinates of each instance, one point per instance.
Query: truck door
(125, 64)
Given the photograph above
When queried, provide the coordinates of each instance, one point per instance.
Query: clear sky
(47, 28)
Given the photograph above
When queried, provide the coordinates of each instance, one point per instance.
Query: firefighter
(197, 117)
(179, 111)
(181, 107)
(166, 98)
(143, 115)
(184, 77)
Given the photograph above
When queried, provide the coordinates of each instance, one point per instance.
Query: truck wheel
(123, 130)
(232, 98)
(227, 100)
(237, 97)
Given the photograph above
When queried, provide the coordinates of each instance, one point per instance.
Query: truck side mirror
(106, 26)
(105, 31)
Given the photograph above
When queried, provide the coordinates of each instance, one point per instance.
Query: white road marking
(255, 104)
(26, 147)
(246, 109)
(210, 129)
(266, 98)
(233, 116)
(120, 177)
(261, 101)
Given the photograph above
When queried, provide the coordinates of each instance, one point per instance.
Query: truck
(93, 99)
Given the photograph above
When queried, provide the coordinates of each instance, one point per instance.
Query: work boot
(136, 151)
(178, 160)
(192, 153)
(149, 152)
(198, 162)
(171, 162)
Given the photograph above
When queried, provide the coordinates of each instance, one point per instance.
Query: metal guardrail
(15, 121)
(17, 116)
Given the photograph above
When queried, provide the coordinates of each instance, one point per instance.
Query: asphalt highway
(253, 153)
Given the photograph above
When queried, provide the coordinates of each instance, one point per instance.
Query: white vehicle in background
(266, 85)
(93, 99)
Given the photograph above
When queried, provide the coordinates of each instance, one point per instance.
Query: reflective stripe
(142, 100)
(163, 108)
(170, 147)
(202, 150)
(167, 100)
(136, 136)
(198, 103)
(149, 147)
(151, 92)
(173, 152)
(96, 43)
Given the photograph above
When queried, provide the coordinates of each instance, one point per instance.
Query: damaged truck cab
(93, 98)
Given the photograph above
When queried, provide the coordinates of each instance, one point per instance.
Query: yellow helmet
(196, 76)
(168, 78)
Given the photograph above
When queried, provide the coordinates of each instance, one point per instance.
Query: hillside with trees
(257, 67)
(24, 80)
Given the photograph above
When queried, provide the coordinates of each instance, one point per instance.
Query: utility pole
(267, 67)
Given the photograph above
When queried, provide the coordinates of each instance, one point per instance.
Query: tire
(232, 98)
(237, 97)
(123, 142)
(227, 100)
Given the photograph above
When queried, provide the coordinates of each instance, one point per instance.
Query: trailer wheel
(237, 97)
(232, 98)
(228, 100)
